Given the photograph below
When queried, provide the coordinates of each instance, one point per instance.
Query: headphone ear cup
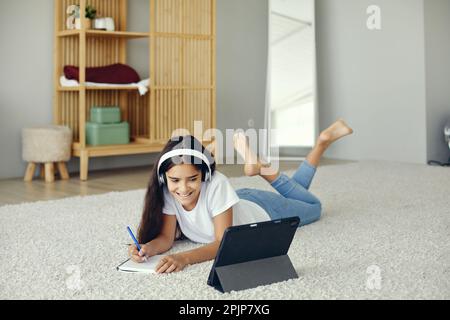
(204, 175)
(207, 176)
(161, 179)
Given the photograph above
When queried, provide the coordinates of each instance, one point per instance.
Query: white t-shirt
(215, 197)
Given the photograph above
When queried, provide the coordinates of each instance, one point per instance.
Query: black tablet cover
(254, 254)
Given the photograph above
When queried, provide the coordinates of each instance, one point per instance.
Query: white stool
(46, 146)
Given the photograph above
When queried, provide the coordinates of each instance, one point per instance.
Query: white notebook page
(148, 266)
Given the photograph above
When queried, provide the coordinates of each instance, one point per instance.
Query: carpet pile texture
(384, 234)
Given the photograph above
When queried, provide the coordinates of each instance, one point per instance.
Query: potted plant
(74, 21)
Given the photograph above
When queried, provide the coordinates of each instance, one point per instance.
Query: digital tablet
(254, 254)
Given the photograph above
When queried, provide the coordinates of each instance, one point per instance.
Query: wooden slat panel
(184, 65)
(69, 52)
(167, 16)
(197, 17)
(169, 112)
(102, 51)
(69, 106)
(198, 104)
(197, 63)
(167, 56)
(138, 114)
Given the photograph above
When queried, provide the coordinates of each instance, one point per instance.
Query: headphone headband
(184, 152)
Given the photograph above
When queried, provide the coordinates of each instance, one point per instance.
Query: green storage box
(102, 134)
(105, 114)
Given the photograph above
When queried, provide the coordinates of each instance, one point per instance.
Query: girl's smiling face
(184, 182)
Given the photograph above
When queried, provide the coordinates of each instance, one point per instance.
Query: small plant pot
(78, 23)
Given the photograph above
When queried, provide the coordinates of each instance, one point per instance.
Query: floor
(383, 234)
(14, 191)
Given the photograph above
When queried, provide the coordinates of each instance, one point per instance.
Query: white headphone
(183, 152)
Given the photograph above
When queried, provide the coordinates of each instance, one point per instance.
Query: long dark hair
(152, 216)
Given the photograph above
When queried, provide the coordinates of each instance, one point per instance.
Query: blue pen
(134, 239)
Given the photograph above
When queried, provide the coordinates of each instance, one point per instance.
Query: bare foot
(252, 165)
(334, 132)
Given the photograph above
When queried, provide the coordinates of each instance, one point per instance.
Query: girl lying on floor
(186, 196)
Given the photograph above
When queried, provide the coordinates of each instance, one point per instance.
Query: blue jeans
(293, 197)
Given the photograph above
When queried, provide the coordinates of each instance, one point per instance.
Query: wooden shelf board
(101, 33)
(119, 34)
(119, 149)
(60, 88)
(159, 87)
(68, 33)
(68, 89)
(139, 145)
(97, 88)
(111, 88)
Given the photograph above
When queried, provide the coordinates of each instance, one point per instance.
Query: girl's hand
(171, 263)
(140, 256)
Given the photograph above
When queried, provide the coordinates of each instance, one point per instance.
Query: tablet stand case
(252, 274)
(254, 255)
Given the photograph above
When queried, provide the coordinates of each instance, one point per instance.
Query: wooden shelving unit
(182, 40)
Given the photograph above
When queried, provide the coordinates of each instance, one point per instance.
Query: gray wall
(26, 78)
(437, 28)
(373, 79)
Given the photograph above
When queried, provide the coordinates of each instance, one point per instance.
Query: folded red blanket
(114, 73)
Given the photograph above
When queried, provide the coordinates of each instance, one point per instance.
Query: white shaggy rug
(384, 234)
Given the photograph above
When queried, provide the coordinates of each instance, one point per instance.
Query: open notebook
(145, 267)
